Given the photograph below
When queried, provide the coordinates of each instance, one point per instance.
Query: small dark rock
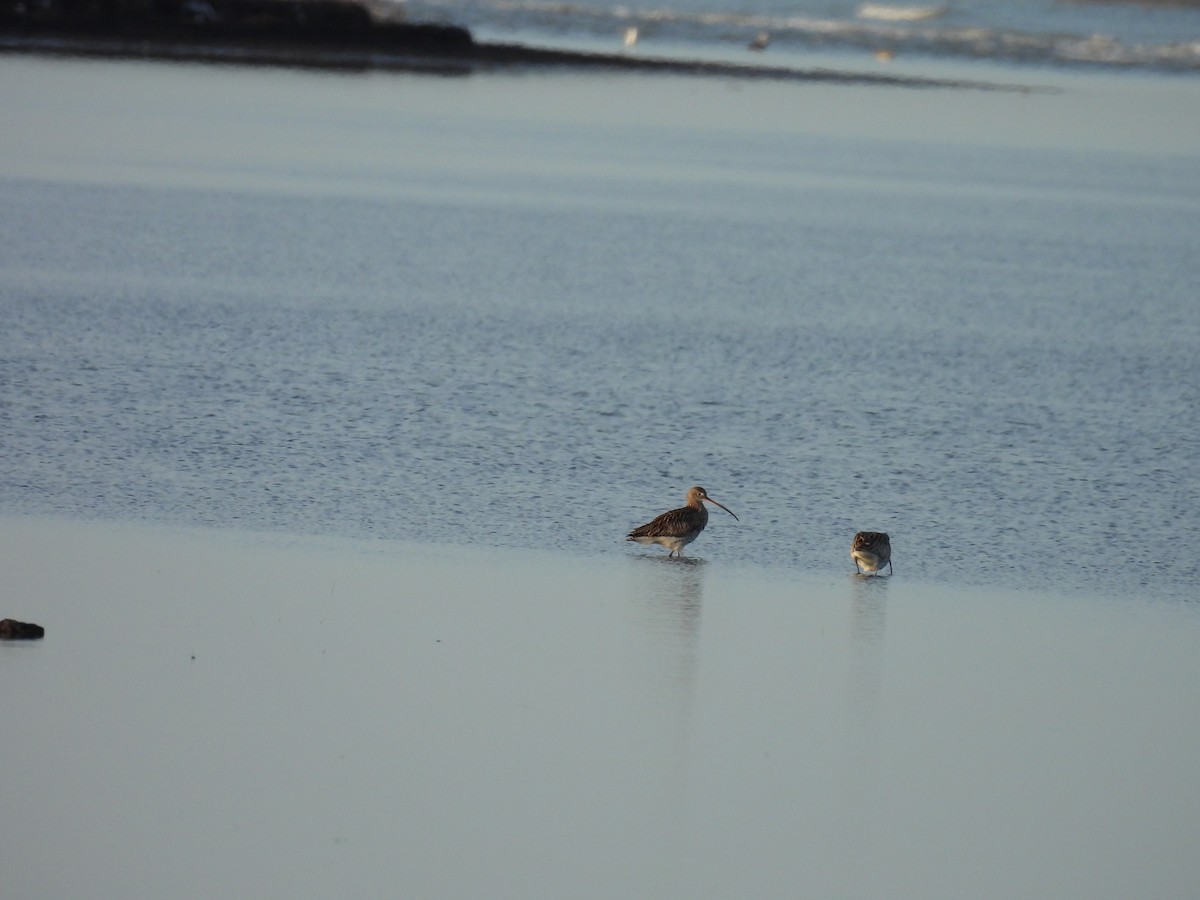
(12, 630)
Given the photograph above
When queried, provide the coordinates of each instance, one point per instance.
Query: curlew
(679, 527)
(871, 550)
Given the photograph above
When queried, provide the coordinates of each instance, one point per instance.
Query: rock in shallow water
(12, 630)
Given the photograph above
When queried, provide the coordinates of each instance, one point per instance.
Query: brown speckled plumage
(679, 527)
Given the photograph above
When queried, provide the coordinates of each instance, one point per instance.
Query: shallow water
(380, 307)
(215, 713)
(462, 334)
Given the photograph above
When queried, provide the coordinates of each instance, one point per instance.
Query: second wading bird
(679, 527)
(871, 550)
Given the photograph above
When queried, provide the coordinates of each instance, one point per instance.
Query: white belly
(672, 543)
(866, 559)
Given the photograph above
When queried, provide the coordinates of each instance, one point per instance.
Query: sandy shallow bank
(213, 711)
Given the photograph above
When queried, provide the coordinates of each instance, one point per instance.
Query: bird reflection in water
(668, 598)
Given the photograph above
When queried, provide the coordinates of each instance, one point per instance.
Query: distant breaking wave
(889, 13)
(895, 29)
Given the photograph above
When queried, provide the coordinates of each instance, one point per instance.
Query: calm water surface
(216, 713)
(382, 369)
(324, 308)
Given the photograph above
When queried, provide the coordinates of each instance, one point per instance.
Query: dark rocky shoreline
(341, 34)
(275, 29)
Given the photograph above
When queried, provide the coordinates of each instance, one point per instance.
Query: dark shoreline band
(345, 35)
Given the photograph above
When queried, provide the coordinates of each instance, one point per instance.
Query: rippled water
(990, 354)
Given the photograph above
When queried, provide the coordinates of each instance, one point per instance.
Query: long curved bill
(726, 508)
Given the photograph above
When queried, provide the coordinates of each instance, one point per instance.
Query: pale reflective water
(219, 714)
